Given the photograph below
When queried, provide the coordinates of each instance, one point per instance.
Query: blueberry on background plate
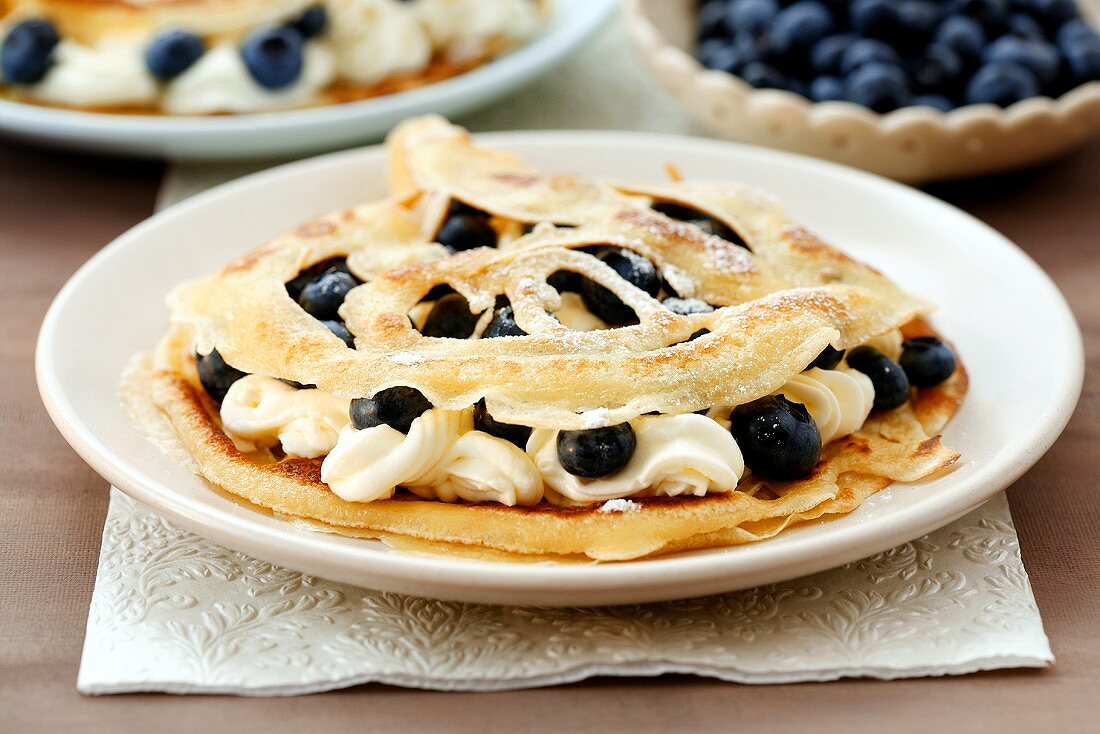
(172, 53)
(867, 51)
(1002, 84)
(888, 378)
(990, 13)
(927, 361)
(27, 51)
(273, 56)
(312, 22)
(935, 101)
(777, 437)
(397, 407)
(484, 421)
(827, 89)
(503, 323)
(876, 18)
(878, 86)
(801, 25)
(826, 54)
(1024, 26)
(466, 231)
(1039, 57)
(633, 268)
(450, 318)
(1082, 57)
(939, 69)
(963, 34)
(711, 20)
(321, 298)
(597, 452)
(216, 375)
(339, 329)
(763, 76)
(751, 16)
(1051, 13)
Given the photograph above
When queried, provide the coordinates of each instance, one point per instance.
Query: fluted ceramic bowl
(914, 144)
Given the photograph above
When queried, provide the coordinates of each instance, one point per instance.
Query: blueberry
(450, 318)
(708, 224)
(963, 34)
(990, 13)
(1002, 84)
(321, 298)
(763, 76)
(27, 52)
(827, 89)
(295, 286)
(634, 269)
(215, 375)
(1050, 13)
(825, 56)
(510, 432)
(889, 380)
(466, 231)
(503, 323)
(172, 53)
(801, 25)
(338, 328)
(1075, 30)
(877, 18)
(927, 361)
(828, 359)
(273, 56)
(777, 437)
(722, 57)
(711, 20)
(397, 407)
(1082, 57)
(866, 51)
(687, 306)
(1039, 57)
(878, 86)
(1024, 26)
(312, 22)
(565, 281)
(751, 16)
(938, 69)
(919, 17)
(597, 452)
(936, 101)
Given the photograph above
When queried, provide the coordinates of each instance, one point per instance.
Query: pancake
(783, 296)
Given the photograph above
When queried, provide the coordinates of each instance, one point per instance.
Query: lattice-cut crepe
(785, 296)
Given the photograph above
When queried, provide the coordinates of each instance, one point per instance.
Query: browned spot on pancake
(316, 228)
(250, 258)
(306, 470)
(928, 447)
(516, 179)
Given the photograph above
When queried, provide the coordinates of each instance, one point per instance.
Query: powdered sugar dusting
(597, 418)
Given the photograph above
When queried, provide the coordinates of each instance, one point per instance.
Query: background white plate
(1011, 325)
(315, 129)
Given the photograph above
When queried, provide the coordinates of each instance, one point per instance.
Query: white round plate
(1011, 325)
(314, 129)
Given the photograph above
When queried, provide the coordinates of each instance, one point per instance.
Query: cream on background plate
(295, 132)
(1016, 407)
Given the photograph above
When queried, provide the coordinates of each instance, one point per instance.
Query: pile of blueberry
(273, 55)
(886, 54)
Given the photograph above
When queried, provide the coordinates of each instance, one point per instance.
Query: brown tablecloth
(56, 210)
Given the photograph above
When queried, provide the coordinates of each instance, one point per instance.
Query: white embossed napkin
(173, 612)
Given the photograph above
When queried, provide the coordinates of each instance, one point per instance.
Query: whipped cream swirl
(675, 455)
(440, 458)
(261, 412)
(838, 400)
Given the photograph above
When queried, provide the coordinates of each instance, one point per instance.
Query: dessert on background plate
(201, 57)
(548, 366)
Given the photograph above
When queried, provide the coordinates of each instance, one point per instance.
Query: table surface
(57, 209)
